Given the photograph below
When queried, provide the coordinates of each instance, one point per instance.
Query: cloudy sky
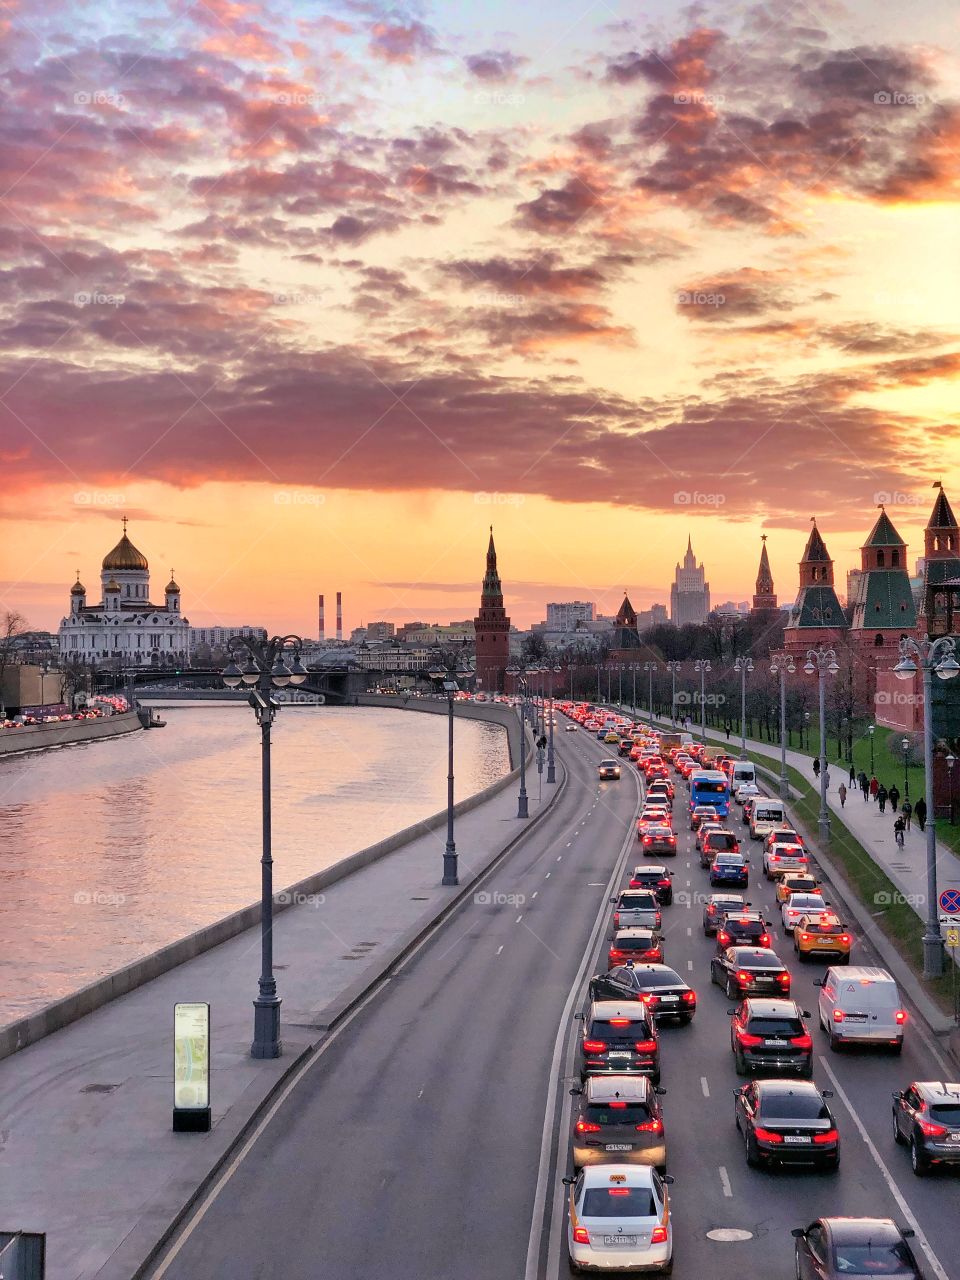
(316, 292)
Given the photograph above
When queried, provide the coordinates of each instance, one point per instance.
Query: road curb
(121, 1266)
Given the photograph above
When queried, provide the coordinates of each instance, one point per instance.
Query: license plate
(619, 1146)
(796, 1141)
(775, 1044)
(619, 1055)
(669, 999)
(763, 982)
(629, 1242)
(955, 1137)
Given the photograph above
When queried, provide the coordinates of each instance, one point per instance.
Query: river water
(112, 849)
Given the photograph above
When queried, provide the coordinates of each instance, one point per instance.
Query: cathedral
(125, 626)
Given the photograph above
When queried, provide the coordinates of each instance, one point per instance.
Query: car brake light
(829, 1135)
(618, 1191)
(802, 1042)
(838, 1015)
(764, 940)
(648, 839)
(619, 1022)
(931, 1130)
(901, 1017)
(844, 939)
(652, 955)
(616, 919)
(783, 979)
(617, 1106)
(688, 997)
(659, 1235)
(767, 1135)
(665, 883)
(804, 937)
(585, 1126)
(723, 938)
(581, 1235)
(595, 1046)
(744, 977)
(748, 1040)
(650, 1126)
(646, 1046)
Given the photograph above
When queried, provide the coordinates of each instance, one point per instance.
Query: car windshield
(873, 1259)
(775, 1026)
(617, 1113)
(660, 833)
(793, 1106)
(946, 1113)
(618, 1202)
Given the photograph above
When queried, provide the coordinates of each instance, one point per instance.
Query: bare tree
(12, 625)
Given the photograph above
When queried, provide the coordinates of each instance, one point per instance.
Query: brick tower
(940, 594)
(882, 610)
(764, 596)
(816, 618)
(492, 629)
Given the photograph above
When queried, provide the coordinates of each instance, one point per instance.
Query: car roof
(758, 1007)
(747, 953)
(749, 914)
(635, 931)
(848, 1230)
(865, 973)
(937, 1090)
(654, 867)
(630, 1175)
(607, 1088)
(604, 1010)
(726, 897)
(786, 1088)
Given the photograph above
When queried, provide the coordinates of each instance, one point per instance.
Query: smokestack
(339, 615)
(322, 624)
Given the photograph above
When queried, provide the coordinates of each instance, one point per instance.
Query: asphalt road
(416, 1146)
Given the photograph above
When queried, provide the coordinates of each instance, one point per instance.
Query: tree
(534, 647)
(12, 625)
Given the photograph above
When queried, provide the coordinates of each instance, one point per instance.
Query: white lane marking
(420, 1094)
(559, 857)
(725, 1183)
(519, 918)
(534, 894)
(690, 965)
(688, 884)
(500, 948)
(704, 1086)
(885, 1173)
(689, 932)
(595, 884)
(568, 844)
(547, 876)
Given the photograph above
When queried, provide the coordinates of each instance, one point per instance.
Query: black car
(717, 906)
(771, 1036)
(750, 971)
(619, 1037)
(660, 988)
(655, 877)
(637, 945)
(619, 1121)
(715, 842)
(742, 929)
(835, 1248)
(787, 1122)
(926, 1115)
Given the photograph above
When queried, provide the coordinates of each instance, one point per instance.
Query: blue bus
(710, 786)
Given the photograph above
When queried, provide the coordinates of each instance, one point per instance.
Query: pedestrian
(898, 827)
(894, 794)
(874, 786)
(882, 798)
(920, 813)
(728, 733)
(826, 778)
(907, 810)
(842, 793)
(853, 776)
(816, 766)
(864, 784)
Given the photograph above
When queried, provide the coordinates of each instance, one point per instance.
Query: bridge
(338, 686)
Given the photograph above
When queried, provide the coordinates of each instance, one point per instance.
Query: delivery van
(766, 815)
(743, 771)
(861, 1005)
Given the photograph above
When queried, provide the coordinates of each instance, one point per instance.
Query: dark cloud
(497, 66)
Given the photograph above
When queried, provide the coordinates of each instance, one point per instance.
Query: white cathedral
(125, 625)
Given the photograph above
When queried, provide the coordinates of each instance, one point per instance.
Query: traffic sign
(952, 936)
(950, 902)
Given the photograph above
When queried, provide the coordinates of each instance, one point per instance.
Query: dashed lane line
(725, 1183)
(519, 918)
(704, 1086)
(500, 948)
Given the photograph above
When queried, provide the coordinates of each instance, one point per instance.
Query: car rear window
(617, 1113)
(721, 840)
(636, 944)
(758, 962)
(710, 787)
(629, 1029)
(744, 928)
(873, 1259)
(775, 1026)
(946, 1113)
(815, 926)
(640, 900)
(794, 1106)
(618, 1202)
(665, 978)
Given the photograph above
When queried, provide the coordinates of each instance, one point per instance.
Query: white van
(861, 1005)
(743, 771)
(767, 815)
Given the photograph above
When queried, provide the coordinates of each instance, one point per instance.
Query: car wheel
(731, 991)
(844, 959)
(807, 1072)
(655, 1078)
(897, 1049)
(667, 1268)
(575, 1269)
(753, 1152)
(831, 1166)
(918, 1161)
(897, 1135)
(834, 1043)
(740, 1063)
(685, 1019)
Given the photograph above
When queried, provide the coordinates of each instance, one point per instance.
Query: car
(624, 746)
(658, 839)
(837, 1248)
(660, 988)
(570, 728)
(700, 812)
(717, 906)
(748, 971)
(618, 1219)
(748, 809)
(652, 817)
(619, 1037)
(611, 736)
(742, 928)
(608, 770)
(787, 1122)
(662, 786)
(730, 869)
(823, 934)
(926, 1117)
(706, 827)
(636, 908)
(770, 1036)
(655, 772)
(655, 877)
(861, 1005)
(716, 840)
(745, 790)
(635, 945)
(795, 882)
(783, 835)
(802, 904)
(619, 1119)
(778, 859)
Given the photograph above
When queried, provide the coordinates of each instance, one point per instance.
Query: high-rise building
(565, 616)
(690, 593)
(380, 630)
(655, 616)
(492, 628)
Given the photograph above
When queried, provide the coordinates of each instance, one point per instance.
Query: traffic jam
(755, 896)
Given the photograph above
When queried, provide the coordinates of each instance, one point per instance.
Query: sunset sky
(314, 293)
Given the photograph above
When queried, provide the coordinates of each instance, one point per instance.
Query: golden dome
(171, 585)
(78, 589)
(125, 555)
(112, 585)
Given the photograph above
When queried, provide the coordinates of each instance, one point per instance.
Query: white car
(778, 859)
(745, 790)
(619, 1219)
(570, 728)
(802, 904)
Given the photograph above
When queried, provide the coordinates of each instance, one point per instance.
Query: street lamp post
(905, 744)
(599, 669)
(782, 665)
(743, 665)
(951, 761)
(520, 683)
(934, 656)
(633, 671)
(609, 678)
(673, 666)
(551, 759)
(265, 668)
(650, 668)
(447, 674)
(870, 731)
(820, 661)
(702, 665)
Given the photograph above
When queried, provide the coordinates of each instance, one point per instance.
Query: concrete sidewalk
(87, 1154)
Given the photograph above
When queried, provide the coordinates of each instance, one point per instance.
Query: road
(416, 1146)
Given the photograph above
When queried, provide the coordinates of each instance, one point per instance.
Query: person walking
(853, 776)
(816, 766)
(863, 782)
(842, 793)
(898, 827)
(882, 798)
(920, 813)
(874, 787)
(894, 794)
(907, 810)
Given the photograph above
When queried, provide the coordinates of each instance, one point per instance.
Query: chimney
(339, 616)
(322, 625)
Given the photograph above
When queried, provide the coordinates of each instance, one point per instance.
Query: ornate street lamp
(650, 668)
(551, 759)
(951, 761)
(934, 656)
(520, 683)
(870, 730)
(782, 665)
(673, 666)
(744, 666)
(265, 668)
(702, 666)
(905, 748)
(447, 674)
(821, 661)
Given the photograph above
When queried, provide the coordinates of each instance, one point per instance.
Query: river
(110, 850)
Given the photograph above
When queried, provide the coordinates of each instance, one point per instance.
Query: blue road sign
(950, 902)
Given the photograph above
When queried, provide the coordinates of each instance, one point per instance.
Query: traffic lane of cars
(410, 1149)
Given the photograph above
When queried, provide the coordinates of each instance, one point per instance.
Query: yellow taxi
(822, 934)
(795, 882)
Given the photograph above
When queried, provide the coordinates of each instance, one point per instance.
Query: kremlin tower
(816, 618)
(492, 629)
(764, 597)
